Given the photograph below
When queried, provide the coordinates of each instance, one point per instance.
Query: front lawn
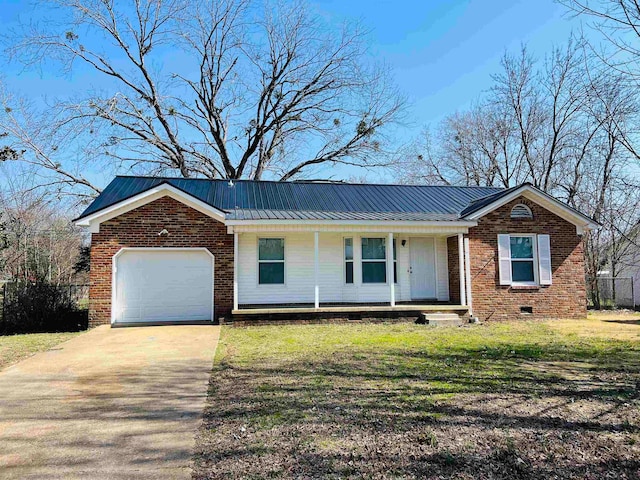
(14, 348)
(554, 399)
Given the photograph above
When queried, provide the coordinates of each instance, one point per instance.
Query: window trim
(345, 261)
(372, 260)
(534, 260)
(283, 261)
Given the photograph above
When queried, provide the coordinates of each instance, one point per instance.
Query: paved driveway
(110, 403)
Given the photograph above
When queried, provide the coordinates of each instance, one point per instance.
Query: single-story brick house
(189, 250)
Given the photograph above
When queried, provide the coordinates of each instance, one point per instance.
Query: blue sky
(442, 53)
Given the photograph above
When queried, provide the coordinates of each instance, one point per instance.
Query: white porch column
(468, 276)
(392, 286)
(316, 267)
(235, 270)
(461, 274)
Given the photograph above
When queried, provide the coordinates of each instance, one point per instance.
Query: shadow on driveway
(111, 403)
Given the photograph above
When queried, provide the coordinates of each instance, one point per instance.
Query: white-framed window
(348, 260)
(523, 259)
(521, 211)
(374, 260)
(271, 261)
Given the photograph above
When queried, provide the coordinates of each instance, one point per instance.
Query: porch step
(442, 319)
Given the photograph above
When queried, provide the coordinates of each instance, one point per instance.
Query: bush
(41, 307)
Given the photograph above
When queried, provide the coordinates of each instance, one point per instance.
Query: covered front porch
(371, 271)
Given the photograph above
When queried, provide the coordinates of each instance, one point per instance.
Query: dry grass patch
(521, 400)
(14, 348)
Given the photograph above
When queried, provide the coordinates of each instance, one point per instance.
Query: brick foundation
(139, 228)
(565, 298)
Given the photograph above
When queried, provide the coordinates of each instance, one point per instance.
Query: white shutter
(504, 259)
(544, 259)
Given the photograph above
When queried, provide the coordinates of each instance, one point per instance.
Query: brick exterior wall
(565, 298)
(139, 228)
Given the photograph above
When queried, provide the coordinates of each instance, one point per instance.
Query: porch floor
(349, 308)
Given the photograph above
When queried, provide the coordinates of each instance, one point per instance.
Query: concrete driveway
(110, 403)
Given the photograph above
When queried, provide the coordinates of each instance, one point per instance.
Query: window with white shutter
(524, 259)
(544, 259)
(504, 259)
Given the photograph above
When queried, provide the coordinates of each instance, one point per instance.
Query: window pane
(349, 272)
(374, 272)
(395, 272)
(373, 249)
(271, 249)
(522, 271)
(521, 247)
(270, 273)
(348, 248)
(394, 249)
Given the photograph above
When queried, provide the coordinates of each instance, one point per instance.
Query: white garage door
(163, 286)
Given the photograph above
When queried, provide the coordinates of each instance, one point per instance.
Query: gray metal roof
(266, 200)
(480, 203)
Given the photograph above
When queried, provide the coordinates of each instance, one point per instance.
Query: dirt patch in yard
(528, 400)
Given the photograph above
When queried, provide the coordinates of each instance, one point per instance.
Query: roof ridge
(311, 182)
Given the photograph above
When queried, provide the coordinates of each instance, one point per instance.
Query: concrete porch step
(442, 319)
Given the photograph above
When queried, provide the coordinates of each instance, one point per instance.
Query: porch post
(235, 270)
(316, 267)
(392, 287)
(461, 274)
(468, 276)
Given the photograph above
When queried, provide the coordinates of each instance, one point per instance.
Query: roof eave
(461, 222)
(527, 190)
(148, 195)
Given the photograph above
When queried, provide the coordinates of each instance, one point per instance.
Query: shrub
(40, 307)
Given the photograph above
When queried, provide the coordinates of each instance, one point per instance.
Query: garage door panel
(157, 286)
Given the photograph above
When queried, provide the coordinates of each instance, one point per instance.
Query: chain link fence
(609, 292)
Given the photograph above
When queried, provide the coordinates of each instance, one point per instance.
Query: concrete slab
(110, 403)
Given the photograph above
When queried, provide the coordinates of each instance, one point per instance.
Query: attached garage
(162, 285)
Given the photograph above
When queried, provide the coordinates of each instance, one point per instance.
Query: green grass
(14, 348)
(405, 400)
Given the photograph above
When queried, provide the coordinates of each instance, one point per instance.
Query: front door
(422, 268)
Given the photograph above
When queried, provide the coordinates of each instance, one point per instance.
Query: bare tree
(38, 242)
(566, 125)
(618, 22)
(45, 145)
(224, 89)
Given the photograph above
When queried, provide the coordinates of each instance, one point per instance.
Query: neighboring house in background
(619, 280)
(165, 249)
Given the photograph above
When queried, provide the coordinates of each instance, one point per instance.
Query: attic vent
(521, 211)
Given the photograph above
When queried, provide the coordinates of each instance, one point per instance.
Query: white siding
(299, 271)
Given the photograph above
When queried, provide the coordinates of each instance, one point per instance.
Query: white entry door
(163, 285)
(422, 268)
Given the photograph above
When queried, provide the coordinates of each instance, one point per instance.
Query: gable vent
(521, 211)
